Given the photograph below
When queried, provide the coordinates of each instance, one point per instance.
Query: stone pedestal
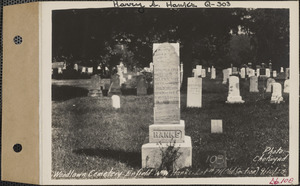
(160, 155)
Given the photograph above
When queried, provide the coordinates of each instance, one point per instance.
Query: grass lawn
(88, 134)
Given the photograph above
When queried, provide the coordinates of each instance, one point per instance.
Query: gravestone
(116, 101)
(83, 70)
(257, 72)
(234, 91)
(194, 92)
(270, 81)
(274, 73)
(75, 67)
(114, 88)
(268, 73)
(129, 77)
(229, 71)
(235, 71)
(286, 86)
(95, 88)
(225, 76)
(141, 88)
(276, 93)
(167, 125)
(216, 126)
(125, 70)
(208, 70)
(251, 72)
(203, 74)
(243, 73)
(253, 84)
(213, 73)
(281, 69)
(90, 70)
(198, 70)
(60, 70)
(287, 73)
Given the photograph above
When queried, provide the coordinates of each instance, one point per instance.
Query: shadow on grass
(132, 159)
(62, 93)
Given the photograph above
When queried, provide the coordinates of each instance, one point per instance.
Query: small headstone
(129, 76)
(141, 88)
(268, 73)
(235, 71)
(151, 67)
(277, 93)
(216, 126)
(65, 66)
(194, 92)
(274, 73)
(208, 69)
(257, 72)
(83, 70)
(225, 76)
(251, 72)
(90, 70)
(75, 67)
(281, 69)
(60, 70)
(95, 89)
(287, 73)
(125, 70)
(203, 74)
(234, 91)
(198, 70)
(116, 101)
(243, 73)
(286, 86)
(270, 81)
(213, 73)
(229, 71)
(253, 84)
(115, 85)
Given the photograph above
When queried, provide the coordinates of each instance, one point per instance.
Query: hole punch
(18, 40)
(17, 147)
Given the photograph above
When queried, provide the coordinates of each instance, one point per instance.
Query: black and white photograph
(173, 92)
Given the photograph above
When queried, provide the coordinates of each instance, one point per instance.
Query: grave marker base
(235, 99)
(152, 154)
(166, 133)
(95, 93)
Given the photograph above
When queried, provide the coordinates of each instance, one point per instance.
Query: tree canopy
(218, 37)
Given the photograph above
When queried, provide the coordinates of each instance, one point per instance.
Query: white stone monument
(208, 69)
(254, 84)
(277, 93)
(83, 70)
(251, 72)
(194, 92)
(229, 71)
(203, 74)
(243, 73)
(225, 76)
(274, 73)
(116, 101)
(270, 81)
(281, 69)
(216, 126)
(213, 73)
(268, 73)
(257, 72)
(167, 125)
(60, 70)
(286, 86)
(198, 70)
(90, 70)
(234, 91)
(75, 67)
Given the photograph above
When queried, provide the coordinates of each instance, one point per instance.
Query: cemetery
(169, 117)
